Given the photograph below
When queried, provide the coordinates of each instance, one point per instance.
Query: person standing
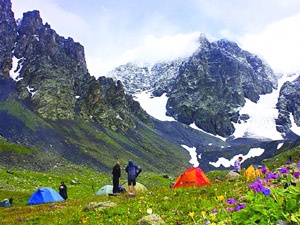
(133, 172)
(116, 177)
(63, 190)
(237, 165)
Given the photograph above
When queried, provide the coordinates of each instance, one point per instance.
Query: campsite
(223, 202)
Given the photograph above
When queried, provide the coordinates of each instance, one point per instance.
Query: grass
(174, 206)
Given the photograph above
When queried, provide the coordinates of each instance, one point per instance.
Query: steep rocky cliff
(54, 80)
(207, 88)
(53, 112)
(288, 106)
(213, 84)
(8, 32)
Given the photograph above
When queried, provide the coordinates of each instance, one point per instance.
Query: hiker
(116, 172)
(237, 165)
(133, 172)
(63, 190)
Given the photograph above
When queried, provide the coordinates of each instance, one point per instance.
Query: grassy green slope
(42, 144)
(174, 206)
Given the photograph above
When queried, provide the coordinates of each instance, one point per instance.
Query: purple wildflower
(264, 170)
(207, 222)
(296, 175)
(284, 170)
(299, 165)
(231, 201)
(215, 211)
(272, 176)
(256, 185)
(230, 209)
(240, 206)
(266, 191)
(288, 162)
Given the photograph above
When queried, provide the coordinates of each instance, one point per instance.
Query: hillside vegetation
(264, 201)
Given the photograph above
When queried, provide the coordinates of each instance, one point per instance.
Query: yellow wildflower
(220, 198)
(84, 220)
(191, 214)
(213, 216)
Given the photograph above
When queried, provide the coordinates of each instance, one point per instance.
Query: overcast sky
(114, 32)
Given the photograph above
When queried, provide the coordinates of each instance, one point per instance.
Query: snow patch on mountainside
(193, 154)
(154, 106)
(229, 162)
(261, 123)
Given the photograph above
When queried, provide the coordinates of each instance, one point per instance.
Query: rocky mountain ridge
(53, 112)
(209, 87)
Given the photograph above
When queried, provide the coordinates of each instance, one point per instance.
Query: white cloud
(152, 49)
(278, 44)
(63, 21)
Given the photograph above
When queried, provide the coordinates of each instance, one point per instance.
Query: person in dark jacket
(116, 176)
(63, 190)
(133, 172)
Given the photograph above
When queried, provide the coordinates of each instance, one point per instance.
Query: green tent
(105, 190)
(139, 187)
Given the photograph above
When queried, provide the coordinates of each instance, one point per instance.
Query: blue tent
(43, 195)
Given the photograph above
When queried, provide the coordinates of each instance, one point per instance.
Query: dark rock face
(214, 82)
(8, 34)
(207, 88)
(288, 104)
(53, 76)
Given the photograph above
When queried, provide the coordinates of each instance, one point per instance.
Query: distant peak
(202, 38)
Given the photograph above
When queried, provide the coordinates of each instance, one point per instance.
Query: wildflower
(284, 170)
(203, 213)
(230, 209)
(299, 164)
(266, 191)
(264, 170)
(220, 198)
(149, 211)
(207, 222)
(272, 176)
(84, 220)
(288, 162)
(296, 175)
(240, 206)
(256, 185)
(231, 201)
(191, 214)
(213, 216)
(214, 211)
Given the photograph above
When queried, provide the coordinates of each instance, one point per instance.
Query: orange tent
(192, 177)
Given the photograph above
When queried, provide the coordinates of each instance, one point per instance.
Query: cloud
(278, 44)
(64, 22)
(152, 49)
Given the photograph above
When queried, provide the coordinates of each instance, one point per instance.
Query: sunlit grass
(202, 205)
